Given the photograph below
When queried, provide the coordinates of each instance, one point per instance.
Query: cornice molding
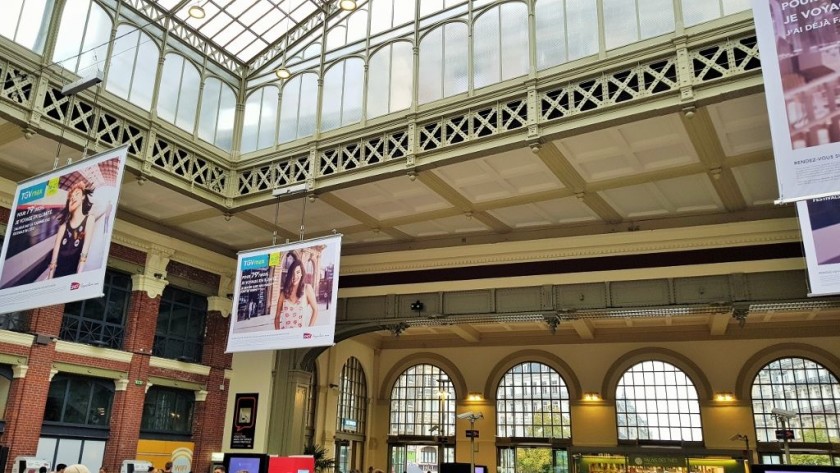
(220, 304)
(175, 365)
(15, 338)
(152, 286)
(80, 349)
(625, 243)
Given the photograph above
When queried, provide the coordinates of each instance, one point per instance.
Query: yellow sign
(158, 452)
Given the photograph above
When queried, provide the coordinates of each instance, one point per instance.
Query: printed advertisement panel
(285, 296)
(819, 220)
(800, 61)
(59, 233)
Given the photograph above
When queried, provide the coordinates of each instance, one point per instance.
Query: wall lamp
(724, 397)
(591, 396)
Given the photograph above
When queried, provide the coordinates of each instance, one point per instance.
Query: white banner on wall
(800, 61)
(819, 220)
(56, 245)
(285, 296)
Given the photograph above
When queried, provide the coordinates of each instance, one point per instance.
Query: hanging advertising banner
(56, 245)
(800, 61)
(285, 296)
(819, 220)
(244, 421)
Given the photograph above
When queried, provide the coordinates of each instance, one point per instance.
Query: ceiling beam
(718, 324)
(701, 131)
(354, 212)
(451, 195)
(10, 132)
(584, 329)
(282, 233)
(191, 217)
(467, 333)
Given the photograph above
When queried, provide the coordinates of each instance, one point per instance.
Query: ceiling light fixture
(282, 73)
(196, 11)
(347, 5)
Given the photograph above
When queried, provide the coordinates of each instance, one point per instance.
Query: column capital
(121, 384)
(151, 285)
(19, 371)
(220, 304)
(201, 395)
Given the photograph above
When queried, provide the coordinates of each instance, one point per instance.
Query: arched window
(80, 48)
(134, 60)
(298, 107)
(218, 107)
(348, 31)
(352, 412)
(168, 410)
(695, 12)
(532, 401)
(352, 398)
(657, 401)
(422, 398)
(428, 7)
(803, 387)
(26, 22)
(564, 31)
(342, 102)
(444, 63)
(387, 14)
(390, 79)
(259, 127)
(177, 92)
(629, 21)
(507, 25)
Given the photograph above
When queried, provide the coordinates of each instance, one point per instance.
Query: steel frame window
(532, 401)
(168, 410)
(180, 325)
(802, 386)
(657, 401)
(352, 398)
(99, 321)
(79, 400)
(423, 403)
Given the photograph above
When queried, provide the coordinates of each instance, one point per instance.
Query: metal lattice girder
(655, 80)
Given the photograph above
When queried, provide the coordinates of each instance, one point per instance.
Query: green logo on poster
(52, 186)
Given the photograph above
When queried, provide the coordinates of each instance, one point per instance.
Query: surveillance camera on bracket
(471, 416)
(783, 413)
(738, 437)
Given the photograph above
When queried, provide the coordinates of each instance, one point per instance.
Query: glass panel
(381, 16)
(352, 398)
(582, 37)
(353, 88)
(121, 68)
(533, 402)
(423, 403)
(620, 22)
(33, 24)
(551, 33)
(308, 105)
(431, 66)
(170, 83)
(656, 17)
(357, 26)
(379, 77)
(180, 324)
(455, 59)
(209, 109)
(735, 6)
(9, 19)
(486, 54)
(794, 384)
(514, 31)
(188, 97)
(652, 407)
(268, 117)
(402, 76)
(289, 110)
(251, 122)
(227, 114)
(333, 95)
(696, 12)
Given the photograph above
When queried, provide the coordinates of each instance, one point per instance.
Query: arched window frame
(433, 394)
(84, 48)
(263, 134)
(445, 57)
(342, 101)
(136, 86)
(296, 121)
(25, 31)
(185, 112)
(352, 398)
(511, 401)
(510, 62)
(797, 375)
(390, 78)
(217, 113)
(672, 402)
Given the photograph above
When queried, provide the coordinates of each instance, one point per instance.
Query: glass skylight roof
(243, 28)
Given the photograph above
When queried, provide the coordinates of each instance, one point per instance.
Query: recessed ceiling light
(196, 11)
(347, 5)
(282, 72)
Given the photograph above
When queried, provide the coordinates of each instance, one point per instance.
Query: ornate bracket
(397, 329)
(740, 313)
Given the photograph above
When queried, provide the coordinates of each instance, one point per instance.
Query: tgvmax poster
(285, 296)
(56, 245)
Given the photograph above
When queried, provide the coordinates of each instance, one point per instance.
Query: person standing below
(219, 469)
(167, 468)
(60, 468)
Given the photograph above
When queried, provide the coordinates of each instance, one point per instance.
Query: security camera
(738, 437)
(471, 416)
(783, 412)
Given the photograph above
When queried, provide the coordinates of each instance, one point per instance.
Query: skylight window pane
(270, 19)
(242, 41)
(300, 14)
(254, 14)
(216, 24)
(229, 34)
(253, 49)
(237, 7)
(274, 33)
